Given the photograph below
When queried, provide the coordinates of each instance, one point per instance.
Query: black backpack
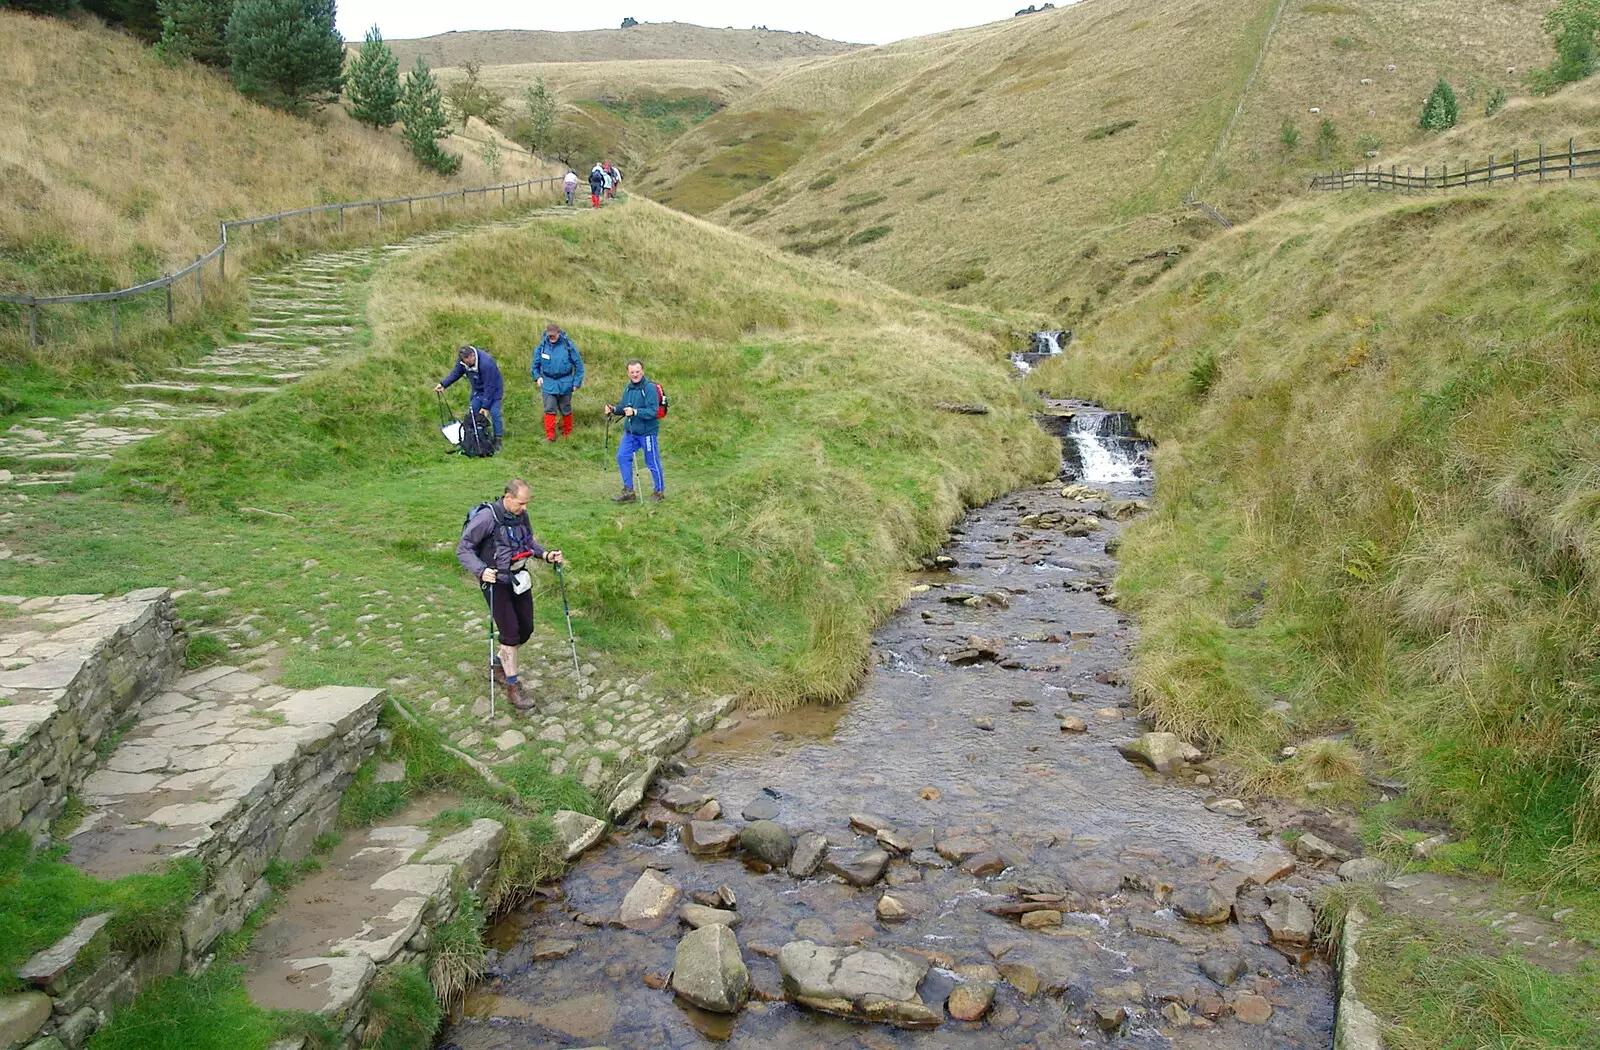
(477, 436)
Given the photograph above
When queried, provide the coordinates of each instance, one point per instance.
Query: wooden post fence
(34, 302)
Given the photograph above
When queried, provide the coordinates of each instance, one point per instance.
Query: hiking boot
(657, 497)
(500, 676)
(625, 496)
(517, 698)
(497, 444)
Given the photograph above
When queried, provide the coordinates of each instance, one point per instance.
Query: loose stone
(809, 851)
(767, 841)
(1223, 967)
(1311, 847)
(970, 1001)
(858, 868)
(709, 972)
(1252, 1009)
(1201, 903)
(705, 838)
(699, 915)
(1074, 724)
(1364, 869)
(1038, 920)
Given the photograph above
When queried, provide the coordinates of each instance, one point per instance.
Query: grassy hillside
(1321, 54)
(1377, 500)
(117, 167)
(648, 40)
(1041, 162)
(805, 462)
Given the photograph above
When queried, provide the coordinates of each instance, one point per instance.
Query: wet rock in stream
(1019, 820)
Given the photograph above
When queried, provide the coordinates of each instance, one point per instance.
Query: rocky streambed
(983, 849)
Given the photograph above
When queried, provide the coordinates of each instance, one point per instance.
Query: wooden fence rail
(508, 193)
(1541, 167)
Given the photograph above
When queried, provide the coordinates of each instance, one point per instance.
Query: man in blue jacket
(558, 370)
(488, 388)
(641, 428)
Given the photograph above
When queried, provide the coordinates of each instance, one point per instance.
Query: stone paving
(300, 319)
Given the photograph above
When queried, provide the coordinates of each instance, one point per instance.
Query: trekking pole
(609, 418)
(491, 650)
(577, 674)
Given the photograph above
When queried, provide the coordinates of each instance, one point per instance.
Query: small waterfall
(1101, 448)
(1045, 345)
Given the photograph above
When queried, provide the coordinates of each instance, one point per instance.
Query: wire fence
(1541, 167)
(30, 306)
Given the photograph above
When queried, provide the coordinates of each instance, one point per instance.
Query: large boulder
(767, 841)
(21, 1017)
(1201, 903)
(1289, 921)
(857, 982)
(578, 831)
(1162, 752)
(648, 902)
(809, 850)
(858, 868)
(708, 970)
(705, 838)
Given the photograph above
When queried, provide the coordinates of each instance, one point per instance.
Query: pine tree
(196, 29)
(373, 83)
(286, 52)
(1441, 111)
(421, 109)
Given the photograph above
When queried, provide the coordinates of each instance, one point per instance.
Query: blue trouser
(476, 403)
(650, 445)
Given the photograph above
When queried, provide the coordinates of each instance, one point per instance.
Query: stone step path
(301, 319)
(374, 901)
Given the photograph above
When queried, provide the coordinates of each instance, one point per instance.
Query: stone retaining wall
(73, 668)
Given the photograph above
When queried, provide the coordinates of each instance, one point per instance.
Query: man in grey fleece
(498, 548)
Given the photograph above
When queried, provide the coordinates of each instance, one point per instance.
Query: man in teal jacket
(641, 428)
(558, 369)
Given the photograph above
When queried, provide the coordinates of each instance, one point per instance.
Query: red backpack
(661, 411)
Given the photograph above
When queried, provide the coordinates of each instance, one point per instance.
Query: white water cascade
(1108, 448)
(1045, 345)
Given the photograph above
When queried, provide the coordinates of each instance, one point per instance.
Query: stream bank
(1010, 864)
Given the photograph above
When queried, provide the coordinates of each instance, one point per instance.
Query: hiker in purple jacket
(497, 546)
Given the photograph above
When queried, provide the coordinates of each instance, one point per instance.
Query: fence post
(1444, 176)
(1516, 165)
(1490, 179)
(411, 211)
(200, 285)
(502, 196)
(33, 322)
(169, 298)
(223, 258)
(115, 325)
(379, 209)
(1572, 157)
(341, 218)
(1541, 162)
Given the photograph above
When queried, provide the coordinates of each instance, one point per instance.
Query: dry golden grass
(652, 40)
(1040, 163)
(575, 81)
(118, 167)
(1318, 58)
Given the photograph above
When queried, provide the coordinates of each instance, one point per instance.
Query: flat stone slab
(45, 966)
(577, 830)
(200, 755)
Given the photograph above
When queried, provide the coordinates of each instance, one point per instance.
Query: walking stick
(609, 418)
(577, 674)
(491, 650)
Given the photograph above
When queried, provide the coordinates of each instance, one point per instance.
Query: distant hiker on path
(498, 548)
(488, 388)
(597, 184)
(557, 368)
(570, 185)
(641, 406)
(613, 178)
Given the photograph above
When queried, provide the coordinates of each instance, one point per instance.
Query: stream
(956, 736)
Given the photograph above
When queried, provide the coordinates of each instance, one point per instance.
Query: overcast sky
(853, 20)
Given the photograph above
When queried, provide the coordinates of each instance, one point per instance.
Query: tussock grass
(1398, 442)
(402, 1012)
(457, 955)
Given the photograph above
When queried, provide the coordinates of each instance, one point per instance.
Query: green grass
(1442, 991)
(753, 148)
(403, 1013)
(1383, 411)
(209, 1010)
(41, 899)
(805, 464)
